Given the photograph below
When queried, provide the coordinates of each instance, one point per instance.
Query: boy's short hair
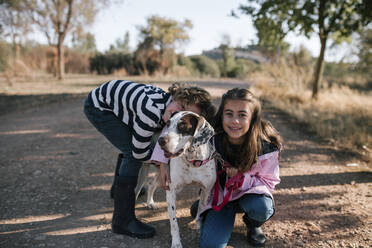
(188, 94)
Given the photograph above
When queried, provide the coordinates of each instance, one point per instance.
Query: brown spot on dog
(187, 125)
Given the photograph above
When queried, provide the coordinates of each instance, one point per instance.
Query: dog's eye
(182, 126)
(168, 123)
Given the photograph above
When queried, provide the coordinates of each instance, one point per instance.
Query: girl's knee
(261, 215)
(258, 207)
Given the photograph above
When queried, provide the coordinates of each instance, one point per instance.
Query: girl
(128, 114)
(247, 171)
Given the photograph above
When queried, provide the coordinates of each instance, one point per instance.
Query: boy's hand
(164, 176)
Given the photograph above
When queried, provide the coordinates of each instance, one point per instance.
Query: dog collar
(198, 163)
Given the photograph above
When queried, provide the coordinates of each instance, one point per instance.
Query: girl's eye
(242, 115)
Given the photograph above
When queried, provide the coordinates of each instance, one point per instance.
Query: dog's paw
(152, 206)
(177, 245)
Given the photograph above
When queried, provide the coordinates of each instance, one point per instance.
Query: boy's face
(176, 106)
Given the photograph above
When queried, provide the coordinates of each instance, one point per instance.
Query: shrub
(186, 64)
(243, 68)
(108, 63)
(205, 66)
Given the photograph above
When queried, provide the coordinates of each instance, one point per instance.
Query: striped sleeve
(144, 125)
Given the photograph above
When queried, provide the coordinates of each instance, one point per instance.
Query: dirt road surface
(56, 171)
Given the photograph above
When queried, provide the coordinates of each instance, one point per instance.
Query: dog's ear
(203, 132)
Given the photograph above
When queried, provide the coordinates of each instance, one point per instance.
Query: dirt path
(56, 170)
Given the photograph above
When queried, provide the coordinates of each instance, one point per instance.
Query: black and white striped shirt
(139, 106)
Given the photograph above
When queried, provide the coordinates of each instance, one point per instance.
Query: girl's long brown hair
(259, 130)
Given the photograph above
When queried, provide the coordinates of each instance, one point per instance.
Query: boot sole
(119, 230)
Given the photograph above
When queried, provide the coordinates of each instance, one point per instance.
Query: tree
(58, 18)
(335, 19)
(271, 37)
(13, 24)
(85, 44)
(160, 37)
(166, 33)
(121, 46)
(365, 51)
(228, 57)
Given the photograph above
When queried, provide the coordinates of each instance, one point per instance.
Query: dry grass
(341, 115)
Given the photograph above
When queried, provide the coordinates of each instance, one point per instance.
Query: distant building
(251, 53)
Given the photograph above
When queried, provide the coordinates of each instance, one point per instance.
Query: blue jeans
(119, 134)
(217, 227)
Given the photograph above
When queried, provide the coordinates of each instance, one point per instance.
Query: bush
(108, 63)
(205, 66)
(243, 68)
(186, 64)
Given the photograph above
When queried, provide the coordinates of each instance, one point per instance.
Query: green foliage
(328, 18)
(205, 66)
(186, 62)
(155, 53)
(228, 60)
(109, 62)
(164, 32)
(243, 68)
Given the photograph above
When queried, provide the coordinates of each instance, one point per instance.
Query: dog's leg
(175, 232)
(203, 200)
(142, 175)
(152, 184)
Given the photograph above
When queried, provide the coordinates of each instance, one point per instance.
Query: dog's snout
(163, 140)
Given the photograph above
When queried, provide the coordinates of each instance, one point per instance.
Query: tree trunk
(319, 67)
(61, 60)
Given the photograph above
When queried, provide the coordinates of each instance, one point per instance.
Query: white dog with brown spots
(186, 141)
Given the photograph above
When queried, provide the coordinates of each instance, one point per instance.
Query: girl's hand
(231, 171)
(164, 176)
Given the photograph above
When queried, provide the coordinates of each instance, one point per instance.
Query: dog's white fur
(195, 146)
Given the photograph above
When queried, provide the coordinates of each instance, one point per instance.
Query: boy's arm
(158, 157)
(161, 162)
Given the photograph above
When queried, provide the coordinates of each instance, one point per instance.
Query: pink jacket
(261, 179)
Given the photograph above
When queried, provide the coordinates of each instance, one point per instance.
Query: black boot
(117, 168)
(124, 220)
(255, 235)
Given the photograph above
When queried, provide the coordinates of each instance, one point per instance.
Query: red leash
(232, 184)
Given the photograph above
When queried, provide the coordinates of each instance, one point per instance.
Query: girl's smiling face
(236, 119)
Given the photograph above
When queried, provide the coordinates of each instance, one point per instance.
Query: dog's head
(184, 130)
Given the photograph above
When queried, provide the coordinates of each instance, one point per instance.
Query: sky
(210, 20)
